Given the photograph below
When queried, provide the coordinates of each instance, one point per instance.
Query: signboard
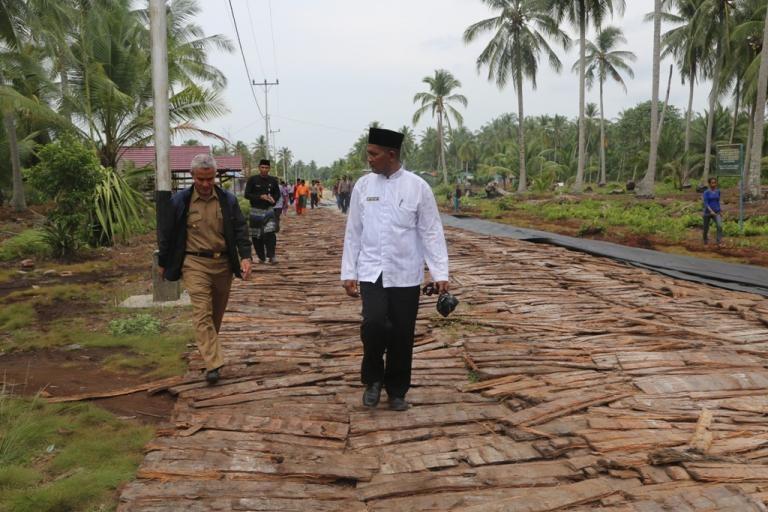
(730, 160)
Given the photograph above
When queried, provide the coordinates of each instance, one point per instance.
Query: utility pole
(277, 151)
(162, 290)
(266, 85)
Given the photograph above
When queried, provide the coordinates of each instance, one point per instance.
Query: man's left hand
(442, 287)
(245, 268)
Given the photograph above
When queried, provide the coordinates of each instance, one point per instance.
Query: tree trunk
(752, 182)
(603, 178)
(441, 151)
(735, 109)
(579, 184)
(522, 184)
(18, 202)
(711, 118)
(664, 109)
(688, 114)
(645, 188)
(748, 148)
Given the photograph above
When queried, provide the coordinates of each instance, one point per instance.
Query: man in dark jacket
(206, 241)
(263, 192)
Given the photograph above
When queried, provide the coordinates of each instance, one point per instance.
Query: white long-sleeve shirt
(393, 227)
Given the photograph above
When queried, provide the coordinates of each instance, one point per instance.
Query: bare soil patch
(70, 372)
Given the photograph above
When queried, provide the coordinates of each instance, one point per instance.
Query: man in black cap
(393, 227)
(263, 192)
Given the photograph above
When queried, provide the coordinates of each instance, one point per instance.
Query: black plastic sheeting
(743, 278)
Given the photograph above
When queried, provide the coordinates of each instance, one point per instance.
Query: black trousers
(345, 197)
(389, 323)
(265, 246)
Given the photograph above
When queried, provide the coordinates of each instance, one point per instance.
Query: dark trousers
(718, 222)
(265, 246)
(314, 201)
(389, 323)
(344, 201)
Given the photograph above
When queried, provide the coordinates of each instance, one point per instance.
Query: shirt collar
(196, 196)
(395, 175)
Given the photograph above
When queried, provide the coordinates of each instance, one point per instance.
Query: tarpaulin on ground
(743, 278)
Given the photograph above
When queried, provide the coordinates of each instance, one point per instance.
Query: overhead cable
(245, 62)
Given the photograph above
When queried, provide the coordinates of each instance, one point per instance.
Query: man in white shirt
(393, 228)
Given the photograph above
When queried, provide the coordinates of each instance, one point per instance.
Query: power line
(272, 31)
(253, 36)
(245, 62)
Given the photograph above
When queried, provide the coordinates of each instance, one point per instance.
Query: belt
(206, 254)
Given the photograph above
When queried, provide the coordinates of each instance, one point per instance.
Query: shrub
(119, 208)
(27, 244)
(68, 173)
(141, 324)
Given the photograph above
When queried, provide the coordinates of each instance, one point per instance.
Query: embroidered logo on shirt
(371, 198)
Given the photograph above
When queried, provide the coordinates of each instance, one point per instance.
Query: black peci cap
(385, 138)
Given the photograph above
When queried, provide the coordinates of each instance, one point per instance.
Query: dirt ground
(123, 270)
(70, 372)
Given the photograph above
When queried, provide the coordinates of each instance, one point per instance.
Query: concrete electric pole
(266, 85)
(161, 290)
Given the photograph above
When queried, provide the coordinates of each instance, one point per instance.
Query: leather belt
(206, 254)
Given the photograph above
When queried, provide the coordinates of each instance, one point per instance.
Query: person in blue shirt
(712, 211)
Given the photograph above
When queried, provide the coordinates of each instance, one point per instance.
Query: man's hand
(245, 268)
(442, 287)
(267, 197)
(161, 271)
(350, 286)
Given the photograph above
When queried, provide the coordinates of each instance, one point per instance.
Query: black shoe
(398, 403)
(372, 394)
(212, 376)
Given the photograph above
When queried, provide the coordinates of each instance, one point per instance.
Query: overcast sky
(345, 63)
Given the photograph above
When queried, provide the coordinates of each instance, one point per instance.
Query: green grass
(159, 354)
(141, 324)
(27, 244)
(673, 221)
(65, 457)
(17, 316)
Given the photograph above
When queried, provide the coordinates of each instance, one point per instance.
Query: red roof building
(229, 167)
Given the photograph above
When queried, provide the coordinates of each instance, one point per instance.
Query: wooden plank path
(562, 382)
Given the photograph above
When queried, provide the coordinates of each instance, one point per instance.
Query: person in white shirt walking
(393, 227)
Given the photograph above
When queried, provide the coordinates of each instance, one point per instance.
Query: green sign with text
(730, 160)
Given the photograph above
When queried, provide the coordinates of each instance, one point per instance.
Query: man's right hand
(350, 286)
(161, 271)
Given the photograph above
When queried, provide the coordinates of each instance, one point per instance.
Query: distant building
(230, 168)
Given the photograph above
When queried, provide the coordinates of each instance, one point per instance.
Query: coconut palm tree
(713, 24)
(580, 13)
(752, 180)
(520, 29)
(682, 43)
(604, 61)
(286, 156)
(645, 188)
(11, 27)
(111, 83)
(409, 147)
(438, 99)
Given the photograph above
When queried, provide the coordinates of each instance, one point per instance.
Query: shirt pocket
(405, 216)
(194, 219)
